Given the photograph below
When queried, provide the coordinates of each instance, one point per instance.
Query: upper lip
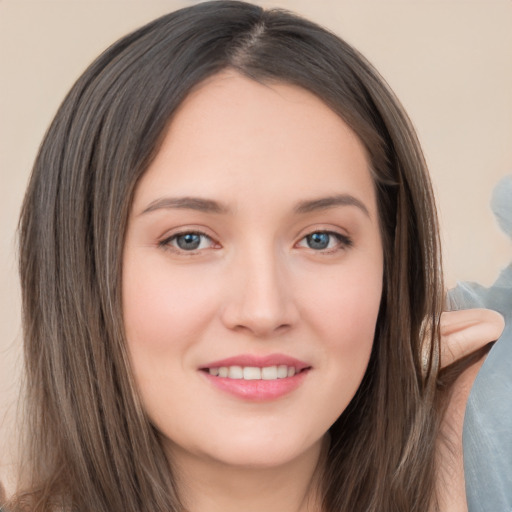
(258, 361)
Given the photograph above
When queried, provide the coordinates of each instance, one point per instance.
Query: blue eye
(325, 240)
(318, 240)
(189, 241)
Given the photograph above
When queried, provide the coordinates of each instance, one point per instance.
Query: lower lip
(258, 390)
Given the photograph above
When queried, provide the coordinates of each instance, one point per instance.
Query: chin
(255, 452)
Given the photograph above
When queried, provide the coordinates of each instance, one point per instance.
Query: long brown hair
(88, 444)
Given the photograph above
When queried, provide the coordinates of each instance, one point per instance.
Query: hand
(462, 333)
(467, 330)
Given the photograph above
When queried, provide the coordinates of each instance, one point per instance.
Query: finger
(465, 331)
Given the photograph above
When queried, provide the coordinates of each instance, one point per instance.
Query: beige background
(450, 62)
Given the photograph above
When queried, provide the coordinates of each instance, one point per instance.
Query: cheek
(345, 316)
(346, 302)
(165, 310)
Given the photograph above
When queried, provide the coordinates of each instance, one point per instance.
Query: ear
(464, 331)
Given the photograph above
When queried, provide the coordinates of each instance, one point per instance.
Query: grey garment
(487, 433)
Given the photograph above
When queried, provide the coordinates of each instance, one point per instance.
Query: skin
(462, 332)
(254, 286)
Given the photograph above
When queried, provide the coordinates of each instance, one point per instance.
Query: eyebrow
(211, 206)
(186, 203)
(324, 203)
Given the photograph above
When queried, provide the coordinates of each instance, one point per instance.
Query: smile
(256, 378)
(254, 372)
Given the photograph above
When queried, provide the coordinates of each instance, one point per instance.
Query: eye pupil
(188, 241)
(318, 240)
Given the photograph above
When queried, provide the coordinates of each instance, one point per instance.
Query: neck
(207, 485)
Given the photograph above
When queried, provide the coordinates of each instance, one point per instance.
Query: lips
(256, 378)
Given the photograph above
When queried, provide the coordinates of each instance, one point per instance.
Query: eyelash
(167, 243)
(343, 242)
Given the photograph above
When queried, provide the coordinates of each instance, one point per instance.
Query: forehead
(238, 136)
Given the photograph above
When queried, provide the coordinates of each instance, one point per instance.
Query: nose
(260, 301)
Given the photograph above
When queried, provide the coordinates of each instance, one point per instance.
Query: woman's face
(252, 274)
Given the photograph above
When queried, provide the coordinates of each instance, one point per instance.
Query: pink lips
(257, 390)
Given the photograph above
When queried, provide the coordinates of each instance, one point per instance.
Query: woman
(231, 279)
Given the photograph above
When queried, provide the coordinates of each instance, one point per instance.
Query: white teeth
(282, 371)
(236, 372)
(253, 372)
(269, 373)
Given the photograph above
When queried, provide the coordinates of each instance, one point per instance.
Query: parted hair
(88, 444)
